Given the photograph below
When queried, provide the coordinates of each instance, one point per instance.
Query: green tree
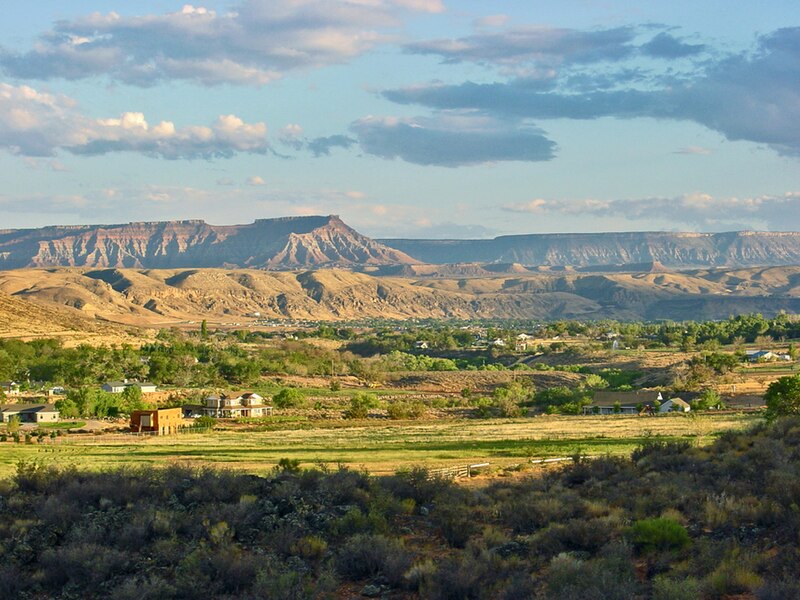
(783, 397)
(288, 398)
(204, 329)
(13, 424)
(131, 399)
(67, 408)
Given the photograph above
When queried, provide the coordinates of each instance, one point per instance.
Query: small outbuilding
(162, 421)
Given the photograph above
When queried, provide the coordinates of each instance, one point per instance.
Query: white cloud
(40, 124)
(255, 43)
(694, 211)
(256, 180)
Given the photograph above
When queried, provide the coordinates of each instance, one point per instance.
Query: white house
(249, 404)
(117, 387)
(30, 413)
(674, 405)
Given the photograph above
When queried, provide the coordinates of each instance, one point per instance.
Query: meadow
(379, 447)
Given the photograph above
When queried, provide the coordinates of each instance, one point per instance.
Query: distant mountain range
(672, 250)
(326, 241)
(275, 244)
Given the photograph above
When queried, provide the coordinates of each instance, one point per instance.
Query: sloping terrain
(23, 319)
(157, 296)
(287, 243)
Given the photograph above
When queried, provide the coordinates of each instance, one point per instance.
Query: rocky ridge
(668, 249)
(286, 243)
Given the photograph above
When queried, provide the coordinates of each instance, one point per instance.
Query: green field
(379, 447)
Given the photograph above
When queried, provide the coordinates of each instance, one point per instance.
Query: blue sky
(409, 118)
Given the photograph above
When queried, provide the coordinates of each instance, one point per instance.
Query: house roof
(602, 398)
(28, 408)
(678, 402)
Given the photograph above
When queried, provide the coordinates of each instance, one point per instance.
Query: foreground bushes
(671, 522)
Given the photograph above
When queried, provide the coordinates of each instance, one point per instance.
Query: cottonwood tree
(783, 397)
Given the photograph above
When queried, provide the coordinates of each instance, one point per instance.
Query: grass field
(377, 447)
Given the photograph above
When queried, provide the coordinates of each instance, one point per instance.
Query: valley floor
(379, 447)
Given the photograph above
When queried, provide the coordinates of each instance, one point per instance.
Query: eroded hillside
(158, 296)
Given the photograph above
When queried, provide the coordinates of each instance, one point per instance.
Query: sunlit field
(377, 447)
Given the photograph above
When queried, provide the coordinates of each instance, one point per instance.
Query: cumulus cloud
(696, 211)
(748, 96)
(451, 140)
(254, 44)
(256, 180)
(33, 123)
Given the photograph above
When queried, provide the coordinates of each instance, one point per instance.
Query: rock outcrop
(287, 243)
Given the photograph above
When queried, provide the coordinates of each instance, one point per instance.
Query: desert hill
(668, 249)
(157, 297)
(23, 319)
(287, 243)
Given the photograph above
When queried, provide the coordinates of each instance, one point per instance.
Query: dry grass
(378, 447)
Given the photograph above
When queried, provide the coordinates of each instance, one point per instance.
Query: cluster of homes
(28, 412)
(165, 421)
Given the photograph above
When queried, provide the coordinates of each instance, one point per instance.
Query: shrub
(205, 422)
(310, 547)
(366, 555)
(659, 535)
(360, 404)
(665, 588)
(406, 409)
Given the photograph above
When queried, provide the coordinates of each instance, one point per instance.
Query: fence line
(542, 461)
(127, 436)
(455, 472)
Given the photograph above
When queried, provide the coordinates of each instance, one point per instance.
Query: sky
(408, 118)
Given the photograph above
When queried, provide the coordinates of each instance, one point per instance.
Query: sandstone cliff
(288, 243)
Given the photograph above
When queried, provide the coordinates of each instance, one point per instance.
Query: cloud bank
(33, 123)
(696, 211)
(255, 44)
(752, 96)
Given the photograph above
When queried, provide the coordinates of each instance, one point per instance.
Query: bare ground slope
(158, 297)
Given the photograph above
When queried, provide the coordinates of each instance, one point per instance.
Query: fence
(127, 436)
(455, 472)
(544, 461)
